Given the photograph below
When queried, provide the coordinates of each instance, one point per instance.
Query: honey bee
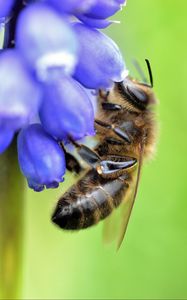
(125, 127)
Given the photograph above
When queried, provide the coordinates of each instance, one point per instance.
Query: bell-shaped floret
(100, 61)
(19, 93)
(103, 9)
(46, 41)
(66, 110)
(98, 13)
(41, 159)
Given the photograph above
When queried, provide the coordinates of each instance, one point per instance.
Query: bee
(125, 128)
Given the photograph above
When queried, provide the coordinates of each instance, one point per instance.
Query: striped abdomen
(90, 200)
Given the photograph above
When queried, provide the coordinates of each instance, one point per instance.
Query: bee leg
(87, 154)
(113, 141)
(72, 163)
(113, 165)
(117, 130)
(111, 106)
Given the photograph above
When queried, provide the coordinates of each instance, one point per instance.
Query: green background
(152, 262)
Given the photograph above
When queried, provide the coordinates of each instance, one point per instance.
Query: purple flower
(48, 77)
(19, 93)
(46, 41)
(100, 62)
(67, 110)
(40, 157)
(5, 7)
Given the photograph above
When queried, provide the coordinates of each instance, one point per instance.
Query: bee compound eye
(138, 95)
(133, 94)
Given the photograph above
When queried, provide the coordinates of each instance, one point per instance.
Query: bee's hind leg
(72, 164)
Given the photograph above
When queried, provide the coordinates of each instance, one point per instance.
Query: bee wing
(111, 226)
(127, 206)
(116, 224)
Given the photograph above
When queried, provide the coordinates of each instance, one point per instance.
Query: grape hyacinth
(53, 54)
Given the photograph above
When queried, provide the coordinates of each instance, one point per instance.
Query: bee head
(137, 95)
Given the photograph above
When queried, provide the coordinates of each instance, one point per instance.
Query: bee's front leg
(117, 130)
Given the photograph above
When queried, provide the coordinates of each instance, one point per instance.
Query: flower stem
(11, 224)
(10, 26)
(11, 198)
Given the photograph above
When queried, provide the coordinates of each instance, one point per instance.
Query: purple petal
(95, 23)
(40, 157)
(67, 110)
(100, 61)
(46, 41)
(103, 9)
(72, 6)
(19, 93)
(122, 2)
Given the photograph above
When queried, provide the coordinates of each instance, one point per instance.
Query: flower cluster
(58, 55)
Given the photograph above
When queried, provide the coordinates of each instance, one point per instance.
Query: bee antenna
(149, 71)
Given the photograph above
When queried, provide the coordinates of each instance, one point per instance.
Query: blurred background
(152, 262)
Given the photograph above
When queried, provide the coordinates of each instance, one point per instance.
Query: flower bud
(99, 11)
(40, 157)
(103, 9)
(100, 61)
(46, 41)
(67, 110)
